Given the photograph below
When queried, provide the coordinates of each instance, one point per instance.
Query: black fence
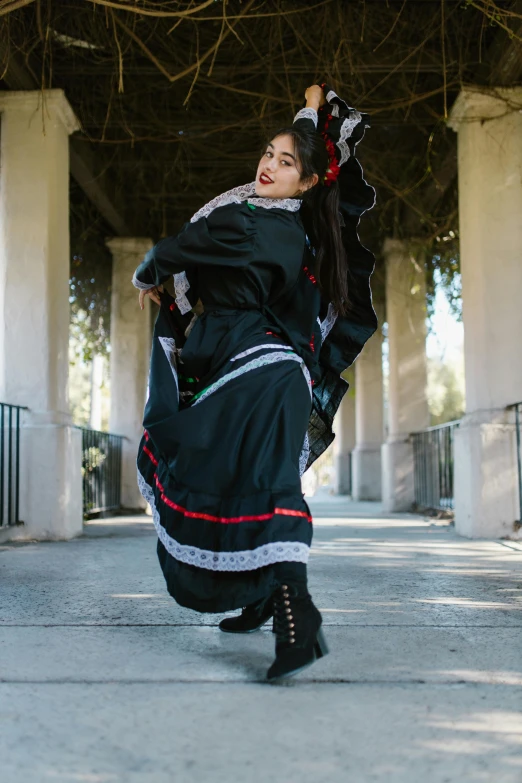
(10, 464)
(101, 471)
(433, 473)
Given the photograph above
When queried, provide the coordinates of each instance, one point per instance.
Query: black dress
(242, 395)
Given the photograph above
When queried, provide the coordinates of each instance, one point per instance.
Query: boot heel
(320, 646)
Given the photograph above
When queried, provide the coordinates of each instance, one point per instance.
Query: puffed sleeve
(224, 238)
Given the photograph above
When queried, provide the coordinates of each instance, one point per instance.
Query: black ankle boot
(251, 618)
(299, 638)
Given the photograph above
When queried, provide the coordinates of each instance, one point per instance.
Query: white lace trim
(244, 560)
(261, 361)
(290, 204)
(334, 108)
(346, 131)
(329, 321)
(308, 378)
(181, 286)
(303, 457)
(330, 96)
(245, 193)
(307, 114)
(141, 286)
(258, 348)
(169, 346)
(233, 196)
(346, 128)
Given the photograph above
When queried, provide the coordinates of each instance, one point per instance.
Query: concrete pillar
(34, 305)
(490, 212)
(130, 354)
(345, 439)
(407, 399)
(369, 423)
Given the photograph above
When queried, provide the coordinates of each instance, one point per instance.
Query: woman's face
(277, 174)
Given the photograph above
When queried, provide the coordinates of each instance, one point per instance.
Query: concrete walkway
(104, 678)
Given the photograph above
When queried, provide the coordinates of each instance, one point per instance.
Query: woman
(244, 390)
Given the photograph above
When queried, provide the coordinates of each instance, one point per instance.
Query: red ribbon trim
(288, 512)
(151, 456)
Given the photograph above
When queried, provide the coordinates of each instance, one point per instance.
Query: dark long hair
(321, 216)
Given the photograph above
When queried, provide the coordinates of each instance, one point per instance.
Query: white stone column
(490, 212)
(407, 399)
(34, 304)
(345, 438)
(130, 355)
(369, 423)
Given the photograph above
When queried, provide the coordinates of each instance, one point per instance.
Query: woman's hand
(153, 293)
(314, 97)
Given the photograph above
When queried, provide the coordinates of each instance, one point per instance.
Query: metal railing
(10, 464)
(517, 407)
(433, 472)
(101, 471)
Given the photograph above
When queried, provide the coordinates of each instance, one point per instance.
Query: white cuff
(181, 286)
(142, 286)
(307, 114)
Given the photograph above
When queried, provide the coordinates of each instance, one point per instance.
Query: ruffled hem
(257, 521)
(242, 560)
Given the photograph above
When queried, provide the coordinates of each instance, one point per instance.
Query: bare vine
(175, 96)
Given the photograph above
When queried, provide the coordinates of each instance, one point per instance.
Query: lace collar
(246, 193)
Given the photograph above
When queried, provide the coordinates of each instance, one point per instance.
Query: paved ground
(103, 678)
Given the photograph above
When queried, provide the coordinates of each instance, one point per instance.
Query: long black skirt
(222, 474)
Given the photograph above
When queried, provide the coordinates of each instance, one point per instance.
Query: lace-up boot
(299, 638)
(251, 618)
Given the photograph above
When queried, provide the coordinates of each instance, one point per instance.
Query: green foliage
(90, 278)
(443, 271)
(79, 378)
(445, 391)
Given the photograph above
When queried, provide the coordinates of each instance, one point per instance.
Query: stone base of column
(366, 472)
(51, 506)
(397, 476)
(131, 498)
(343, 475)
(486, 479)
